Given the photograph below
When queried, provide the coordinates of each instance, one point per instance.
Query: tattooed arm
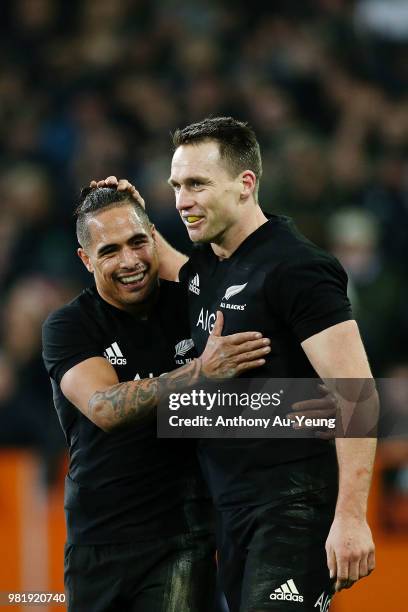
(93, 387)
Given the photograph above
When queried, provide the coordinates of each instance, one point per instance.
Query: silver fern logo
(183, 347)
(233, 290)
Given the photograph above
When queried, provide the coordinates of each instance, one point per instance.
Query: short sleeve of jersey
(184, 273)
(310, 295)
(66, 342)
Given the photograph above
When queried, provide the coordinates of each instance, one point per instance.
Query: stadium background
(94, 87)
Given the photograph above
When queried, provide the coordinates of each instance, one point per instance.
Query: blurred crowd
(90, 88)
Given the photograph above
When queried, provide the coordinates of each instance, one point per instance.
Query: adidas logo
(194, 285)
(114, 355)
(286, 592)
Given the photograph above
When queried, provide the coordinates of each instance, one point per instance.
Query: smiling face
(122, 257)
(208, 197)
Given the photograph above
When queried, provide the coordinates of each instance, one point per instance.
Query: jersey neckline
(247, 244)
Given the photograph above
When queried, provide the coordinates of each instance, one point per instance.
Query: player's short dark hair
(237, 142)
(94, 200)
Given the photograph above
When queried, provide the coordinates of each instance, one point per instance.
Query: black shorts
(272, 557)
(167, 575)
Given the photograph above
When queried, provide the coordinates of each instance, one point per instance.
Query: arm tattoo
(129, 402)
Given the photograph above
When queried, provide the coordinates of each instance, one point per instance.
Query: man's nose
(128, 257)
(184, 199)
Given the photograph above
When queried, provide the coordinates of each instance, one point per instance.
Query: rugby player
(288, 536)
(292, 513)
(139, 519)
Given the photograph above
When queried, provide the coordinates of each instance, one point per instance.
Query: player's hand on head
(120, 185)
(228, 356)
(109, 181)
(350, 551)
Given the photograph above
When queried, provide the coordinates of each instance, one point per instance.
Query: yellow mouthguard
(193, 219)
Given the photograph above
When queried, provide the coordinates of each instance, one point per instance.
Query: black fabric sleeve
(66, 342)
(201, 255)
(310, 295)
(184, 274)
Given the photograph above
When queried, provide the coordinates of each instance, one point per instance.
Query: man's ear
(85, 259)
(153, 231)
(248, 184)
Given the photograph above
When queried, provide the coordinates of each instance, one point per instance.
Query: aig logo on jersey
(231, 292)
(194, 285)
(323, 602)
(114, 355)
(206, 320)
(182, 348)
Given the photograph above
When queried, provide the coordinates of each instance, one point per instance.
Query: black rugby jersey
(126, 485)
(279, 283)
